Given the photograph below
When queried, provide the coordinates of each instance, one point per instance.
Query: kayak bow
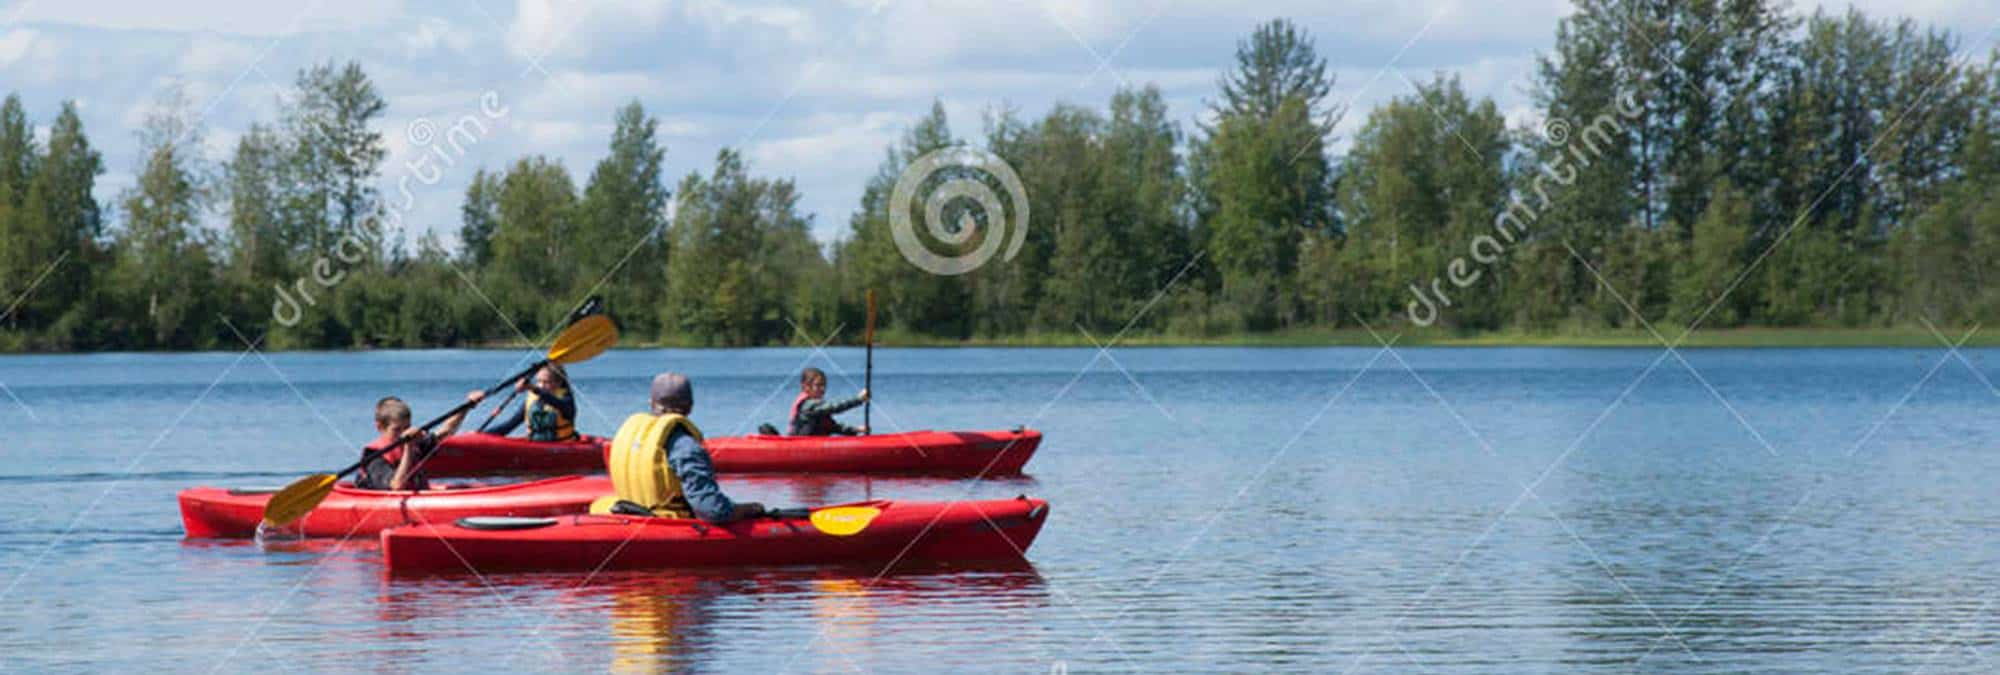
(211, 512)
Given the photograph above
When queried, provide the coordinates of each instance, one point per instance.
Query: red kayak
(209, 512)
(994, 453)
(477, 454)
(874, 531)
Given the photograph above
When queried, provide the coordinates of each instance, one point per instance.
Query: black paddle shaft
(868, 372)
(497, 409)
(868, 384)
(461, 409)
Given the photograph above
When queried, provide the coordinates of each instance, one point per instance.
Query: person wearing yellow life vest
(690, 480)
(549, 409)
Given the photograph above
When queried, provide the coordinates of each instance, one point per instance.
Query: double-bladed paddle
(585, 338)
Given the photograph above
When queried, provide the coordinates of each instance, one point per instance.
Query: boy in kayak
(812, 414)
(399, 469)
(549, 410)
(689, 462)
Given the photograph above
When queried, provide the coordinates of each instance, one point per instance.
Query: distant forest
(1716, 164)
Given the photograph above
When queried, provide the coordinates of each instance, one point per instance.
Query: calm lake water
(1470, 510)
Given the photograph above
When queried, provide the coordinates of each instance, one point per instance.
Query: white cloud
(433, 34)
(618, 31)
(208, 53)
(681, 128)
(1974, 20)
(15, 44)
(840, 144)
(839, 82)
(244, 17)
(555, 134)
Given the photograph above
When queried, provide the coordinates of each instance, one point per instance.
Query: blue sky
(814, 91)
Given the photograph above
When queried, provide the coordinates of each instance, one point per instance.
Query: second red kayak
(477, 454)
(866, 532)
(993, 453)
(948, 453)
(209, 512)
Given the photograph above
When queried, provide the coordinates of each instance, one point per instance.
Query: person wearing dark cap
(688, 461)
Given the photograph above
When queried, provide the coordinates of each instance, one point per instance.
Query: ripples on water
(1834, 515)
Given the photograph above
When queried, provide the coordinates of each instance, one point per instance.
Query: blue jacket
(691, 464)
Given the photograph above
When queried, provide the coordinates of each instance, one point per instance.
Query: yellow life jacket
(545, 422)
(638, 466)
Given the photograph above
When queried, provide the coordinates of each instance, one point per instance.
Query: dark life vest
(545, 422)
(379, 472)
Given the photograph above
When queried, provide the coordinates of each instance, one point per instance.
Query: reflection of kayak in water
(663, 623)
(877, 531)
(962, 453)
(208, 512)
(649, 621)
(477, 454)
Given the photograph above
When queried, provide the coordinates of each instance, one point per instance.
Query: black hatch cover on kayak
(503, 522)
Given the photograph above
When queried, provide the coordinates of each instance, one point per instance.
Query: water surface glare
(1329, 510)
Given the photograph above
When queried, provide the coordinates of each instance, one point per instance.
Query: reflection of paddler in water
(845, 613)
(654, 622)
(657, 623)
(660, 624)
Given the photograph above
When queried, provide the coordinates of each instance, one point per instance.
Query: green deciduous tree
(1714, 257)
(1424, 179)
(622, 218)
(479, 218)
(164, 271)
(740, 257)
(533, 244)
(1265, 181)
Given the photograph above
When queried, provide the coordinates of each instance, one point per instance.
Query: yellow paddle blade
(298, 499)
(584, 340)
(841, 521)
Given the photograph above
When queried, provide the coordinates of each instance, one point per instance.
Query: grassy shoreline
(1915, 336)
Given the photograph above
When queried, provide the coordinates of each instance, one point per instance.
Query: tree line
(1693, 164)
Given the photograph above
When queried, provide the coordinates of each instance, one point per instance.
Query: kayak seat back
(611, 505)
